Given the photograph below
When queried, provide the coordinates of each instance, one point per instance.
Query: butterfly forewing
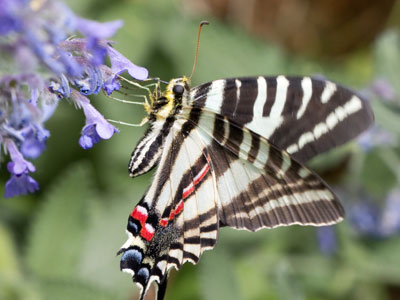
(302, 115)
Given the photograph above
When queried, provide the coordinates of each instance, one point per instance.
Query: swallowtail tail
(231, 152)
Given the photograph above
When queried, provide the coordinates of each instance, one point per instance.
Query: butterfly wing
(178, 218)
(261, 186)
(303, 115)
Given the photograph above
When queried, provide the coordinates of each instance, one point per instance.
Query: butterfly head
(177, 87)
(165, 104)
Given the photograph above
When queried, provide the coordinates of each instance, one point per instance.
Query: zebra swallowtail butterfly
(231, 152)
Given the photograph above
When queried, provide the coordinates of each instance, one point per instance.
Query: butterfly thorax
(164, 106)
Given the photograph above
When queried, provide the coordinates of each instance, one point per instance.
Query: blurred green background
(61, 243)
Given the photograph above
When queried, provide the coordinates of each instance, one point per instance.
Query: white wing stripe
(238, 84)
(292, 149)
(281, 90)
(299, 198)
(338, 115)
(245, 146)
(261, 125)
(353, 105)
(305, 138)
(306, 85)
(262, 155)
(286, 164)
(261, 98)
(329, 89)
(215, 95)
(320, 129)
(234, 184)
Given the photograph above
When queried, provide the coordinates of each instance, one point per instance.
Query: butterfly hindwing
(177, 219)
(263, 187)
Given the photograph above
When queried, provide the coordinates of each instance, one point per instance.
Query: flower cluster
(40, 65)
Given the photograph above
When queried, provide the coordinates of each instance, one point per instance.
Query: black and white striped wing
(261, 186)
(302, 115)
(178, 218)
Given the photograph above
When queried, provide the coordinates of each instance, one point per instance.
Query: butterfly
(232, 152)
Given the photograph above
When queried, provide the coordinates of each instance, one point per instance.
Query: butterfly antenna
(197, 47)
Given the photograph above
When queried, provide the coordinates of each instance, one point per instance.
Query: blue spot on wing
(133, 226)
(143, 275)
(131, 259)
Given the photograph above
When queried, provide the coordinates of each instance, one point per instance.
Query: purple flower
(44, 52)
(96, 128)
(98, 51)
(111, 85)
(21, 184)
(48, 66)
(32, 147)
(34, 142)
(120, 64)
(71, 65)
(98, 30)
(18, 165)
(327, 239)
(90, 84)
(60, 88)
(96, 75)
(8, 21)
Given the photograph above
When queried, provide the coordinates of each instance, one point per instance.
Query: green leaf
(56, 235)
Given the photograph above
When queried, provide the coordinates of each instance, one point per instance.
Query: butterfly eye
(178, 90)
